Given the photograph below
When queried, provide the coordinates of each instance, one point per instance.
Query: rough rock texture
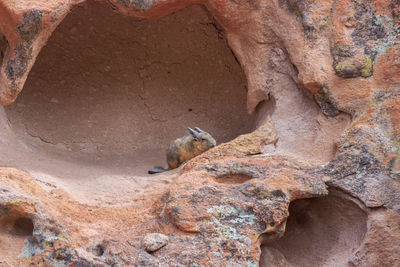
(323, 231)
(211, 218)
(315, 71)
(154, 241)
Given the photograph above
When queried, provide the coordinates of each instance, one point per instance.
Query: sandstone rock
(154, 241)
(322, 78)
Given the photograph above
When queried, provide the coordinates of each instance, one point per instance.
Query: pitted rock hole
(233, 179)
(23, 226)
(319, 232)
(3, 47)
(99, 250)
(113, 90)
(15, 229)
(16, 225)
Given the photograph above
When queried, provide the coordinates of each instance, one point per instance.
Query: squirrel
(185, 148)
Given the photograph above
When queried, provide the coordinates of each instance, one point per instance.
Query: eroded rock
(154, 241)
(320, 71)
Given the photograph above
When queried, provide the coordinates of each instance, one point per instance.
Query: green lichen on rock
(346, 69)
(352, 67)
(367, 67)
(391, 37)
(14, 202)
(351, 61)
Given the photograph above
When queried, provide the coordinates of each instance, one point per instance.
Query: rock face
(154, 241)
(320, 176)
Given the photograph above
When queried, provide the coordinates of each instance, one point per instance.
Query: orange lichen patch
(387, 69)
(351, 93)
(382, 119)
(394, 106)
(343, 15)
(381, 7)
(313, 87)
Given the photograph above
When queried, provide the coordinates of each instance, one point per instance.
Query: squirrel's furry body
(185, 148)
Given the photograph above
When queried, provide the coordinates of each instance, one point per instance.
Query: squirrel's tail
(157, 169)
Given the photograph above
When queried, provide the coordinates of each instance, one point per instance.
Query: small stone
(154, 241)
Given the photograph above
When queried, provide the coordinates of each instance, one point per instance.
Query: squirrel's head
(204, 140)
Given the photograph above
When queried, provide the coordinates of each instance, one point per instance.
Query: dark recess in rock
(23, 226)
(3, 47)
(326, 102)
(313, 230)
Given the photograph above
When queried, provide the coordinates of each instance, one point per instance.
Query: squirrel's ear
(192, 132)
(199, 130)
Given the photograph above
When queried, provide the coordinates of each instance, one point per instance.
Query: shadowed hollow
(109, 92)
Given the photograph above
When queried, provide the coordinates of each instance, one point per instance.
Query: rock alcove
(3, 47)
(104, 97)
(15, 228)
(109, 92)
(319, 232)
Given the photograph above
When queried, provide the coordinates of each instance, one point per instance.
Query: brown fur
(186, 148)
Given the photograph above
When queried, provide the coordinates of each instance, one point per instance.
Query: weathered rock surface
(318, 70)
(217, 212)
(154, 241)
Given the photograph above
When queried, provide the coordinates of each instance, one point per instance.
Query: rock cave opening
(319, 232)
(108, 93)
(15, 229)
(3, 47)
(23, 226)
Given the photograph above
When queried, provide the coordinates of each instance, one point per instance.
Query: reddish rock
(308, 64)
